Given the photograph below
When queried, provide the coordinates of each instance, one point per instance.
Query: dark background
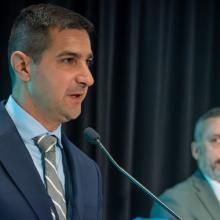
(157, 69)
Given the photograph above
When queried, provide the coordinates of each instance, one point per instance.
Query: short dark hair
(212, 113)
(30, 31)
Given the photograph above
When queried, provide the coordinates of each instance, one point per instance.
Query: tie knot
(46, 143)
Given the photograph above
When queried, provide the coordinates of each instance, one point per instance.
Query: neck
(31, 109)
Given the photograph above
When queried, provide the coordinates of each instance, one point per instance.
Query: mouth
(77, 97)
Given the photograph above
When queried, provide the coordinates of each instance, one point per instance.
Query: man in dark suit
(49, 54)
(198, 197)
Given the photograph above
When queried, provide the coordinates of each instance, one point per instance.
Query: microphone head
(91, 135)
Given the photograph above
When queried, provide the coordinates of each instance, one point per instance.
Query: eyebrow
(215, 135)
(73, 54)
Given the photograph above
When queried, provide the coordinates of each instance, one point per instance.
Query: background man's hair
(30, 31)
(212, 113)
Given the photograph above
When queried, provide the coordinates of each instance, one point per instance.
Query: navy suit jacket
(22, 193)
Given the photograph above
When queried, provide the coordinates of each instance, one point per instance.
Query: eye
(215, 140)
(68, 60)
(89, 62)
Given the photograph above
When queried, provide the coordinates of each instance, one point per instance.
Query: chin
(74, 115)
(69, 113)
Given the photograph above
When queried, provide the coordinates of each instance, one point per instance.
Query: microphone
(93, 137)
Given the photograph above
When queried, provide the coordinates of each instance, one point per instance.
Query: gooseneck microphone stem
(93, 138)
(133, 180)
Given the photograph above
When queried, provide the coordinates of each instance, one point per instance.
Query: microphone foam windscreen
(91, 135)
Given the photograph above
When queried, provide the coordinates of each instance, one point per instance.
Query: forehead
(74, 40)
(211, 126)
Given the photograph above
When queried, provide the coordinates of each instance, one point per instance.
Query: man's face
(60, 80)
(207, 151)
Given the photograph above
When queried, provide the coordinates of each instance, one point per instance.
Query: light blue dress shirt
(215, 185)
(28, 128)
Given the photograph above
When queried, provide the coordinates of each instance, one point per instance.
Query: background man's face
(208, 149)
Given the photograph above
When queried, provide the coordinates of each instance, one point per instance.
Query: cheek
(204, 156)
(51, 84)
(48, 82)
(44, 86)
(211, 156)
(60, 85)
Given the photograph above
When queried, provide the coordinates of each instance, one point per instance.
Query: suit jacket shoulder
(190, 199)
(21, 185)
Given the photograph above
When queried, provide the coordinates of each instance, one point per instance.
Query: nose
(85, 76)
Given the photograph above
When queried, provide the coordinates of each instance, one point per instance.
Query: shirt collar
(215, 185)
(27, 126)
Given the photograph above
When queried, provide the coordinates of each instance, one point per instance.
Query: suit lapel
(20, 168)
(206, 195)
(77, 202)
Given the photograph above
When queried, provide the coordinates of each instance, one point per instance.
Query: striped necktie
(46, 144)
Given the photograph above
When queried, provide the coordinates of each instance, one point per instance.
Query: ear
(21, 64)
(195, 150)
